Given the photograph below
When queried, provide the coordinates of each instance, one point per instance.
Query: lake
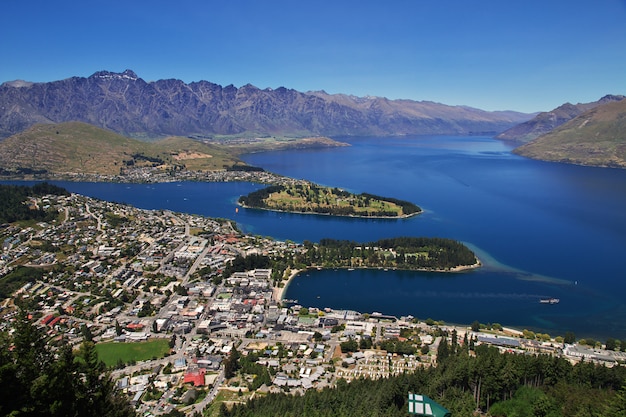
(541, 229)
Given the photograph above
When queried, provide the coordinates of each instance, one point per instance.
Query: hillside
(128, 105)
(82, 148)
(596, 137)
(547, 121)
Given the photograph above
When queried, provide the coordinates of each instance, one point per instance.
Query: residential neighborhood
(121, 276)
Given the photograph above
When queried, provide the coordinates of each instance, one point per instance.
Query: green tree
(443, 350)
(86, 332)
(617, 407)
(611, 344)
(36, 381)
(231, 364)
(349, 346)
(365, 343)
(569, 338)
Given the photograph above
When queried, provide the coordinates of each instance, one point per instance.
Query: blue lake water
(541, 229)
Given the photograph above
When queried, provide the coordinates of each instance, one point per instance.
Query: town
(122, 276)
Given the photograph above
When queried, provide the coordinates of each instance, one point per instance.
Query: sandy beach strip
(279, 292)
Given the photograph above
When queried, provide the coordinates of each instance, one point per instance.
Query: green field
(112, 352)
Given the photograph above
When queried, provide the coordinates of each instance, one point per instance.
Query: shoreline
(279, 292)
(462, 268)
(404, 216)
(508, 331)
(192, 176)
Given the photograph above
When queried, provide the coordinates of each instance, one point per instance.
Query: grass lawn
(227, 397)
(111, 352)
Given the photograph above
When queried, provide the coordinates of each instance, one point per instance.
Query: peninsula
(306, 197)
(407, 253)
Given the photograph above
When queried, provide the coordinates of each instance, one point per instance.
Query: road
(198, 407)
(196, 263)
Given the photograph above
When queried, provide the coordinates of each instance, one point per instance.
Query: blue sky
(495, 55)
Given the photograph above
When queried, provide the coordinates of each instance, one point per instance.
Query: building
(195, 376)
(421, 405)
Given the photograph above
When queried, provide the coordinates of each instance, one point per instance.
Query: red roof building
(55, 321)
(195, 376)
(135, 326)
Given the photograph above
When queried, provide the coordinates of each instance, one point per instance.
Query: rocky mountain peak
(126, 104)
(126, 75)
(611, 97)
(547, 121)
(18, 83)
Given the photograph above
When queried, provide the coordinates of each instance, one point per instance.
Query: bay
(541, 230)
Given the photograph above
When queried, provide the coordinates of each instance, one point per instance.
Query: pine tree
(617, 407)
(37, 381)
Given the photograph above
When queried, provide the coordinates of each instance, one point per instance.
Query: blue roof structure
(421, 405)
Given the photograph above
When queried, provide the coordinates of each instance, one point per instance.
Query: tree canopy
(401, 252)
(502, 384)
(36, 380)
(13, 200)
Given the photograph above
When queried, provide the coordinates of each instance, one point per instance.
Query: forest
(469, 381)
(13, 200)
(402, 253)
(36, 380)
(311, 198)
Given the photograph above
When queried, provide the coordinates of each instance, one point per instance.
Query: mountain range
(130, 106)
(248, 118)
(545, 122)
(596, 137)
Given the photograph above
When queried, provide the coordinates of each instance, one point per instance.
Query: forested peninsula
(408, 253)
(305, 197)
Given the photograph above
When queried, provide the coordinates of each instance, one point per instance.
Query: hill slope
(82, 148)
(547, 121)
(596, 137)
(128, 105)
